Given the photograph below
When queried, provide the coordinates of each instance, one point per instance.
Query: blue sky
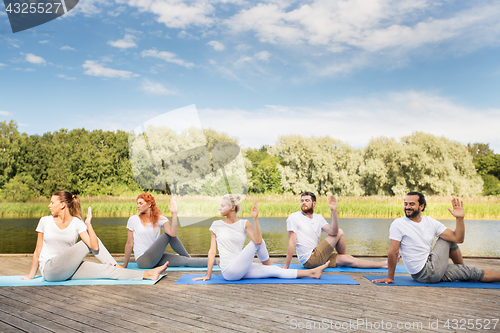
(352, 70)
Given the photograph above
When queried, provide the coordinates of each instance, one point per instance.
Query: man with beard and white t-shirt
(413, 235)
(304, 234)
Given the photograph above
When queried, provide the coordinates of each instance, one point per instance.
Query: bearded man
(413, 235)
(304, 234)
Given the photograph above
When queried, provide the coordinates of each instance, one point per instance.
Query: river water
(363, 236)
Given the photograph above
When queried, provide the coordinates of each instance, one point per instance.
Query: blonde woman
(148, 245)
(228, 236)
(60, 257)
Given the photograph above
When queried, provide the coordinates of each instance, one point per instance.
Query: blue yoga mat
(345, 269)
(216, 268)
(218, 279)
(409, 282)
(15, 281)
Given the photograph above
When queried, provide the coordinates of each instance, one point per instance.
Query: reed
(269, 206)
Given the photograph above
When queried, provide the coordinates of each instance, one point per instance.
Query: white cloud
(2, 65)
(166, 56)
(34, 59)
(93, 68)
(4, 113)
(218, 46)
(67, 48)
(363, 29)
(62, 76)
(127, 42)
(356, 121)
(155, 88)
(43, 41)
(263, 56)
(24, 69)
(2, 13)
(177, 14)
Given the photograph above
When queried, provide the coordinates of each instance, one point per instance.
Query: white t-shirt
(308, 233)
(55, 240)
(230, 240)
(144, 235)
(416, 240)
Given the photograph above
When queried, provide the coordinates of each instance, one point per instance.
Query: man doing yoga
(304, 234)
(412, 236)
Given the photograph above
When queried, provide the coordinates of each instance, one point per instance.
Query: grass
(269, 206)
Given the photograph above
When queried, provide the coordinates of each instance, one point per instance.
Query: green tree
(421, 162)
(319, 164)
(9, 150)
(263, 173)
(479, 150)
(21, 188)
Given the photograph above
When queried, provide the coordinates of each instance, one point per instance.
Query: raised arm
(89, 237)
(254, 234)
(36, 256)
(172, 230)
(458, 212)
(333, 228)
(392, 261)
(211, 258)
(292, 243)
(128, 248)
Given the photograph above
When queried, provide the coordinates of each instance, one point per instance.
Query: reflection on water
(363, 236)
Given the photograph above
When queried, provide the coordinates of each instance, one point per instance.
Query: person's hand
(284, 267)
(27, 277)
(458, 208)
(204, 278)
(386, 280)
(173, 206)
(89, 216)
(255, 210)
(332, 203)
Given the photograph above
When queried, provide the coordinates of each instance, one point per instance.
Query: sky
(350, 69)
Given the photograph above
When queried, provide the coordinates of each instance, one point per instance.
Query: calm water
(363, 236)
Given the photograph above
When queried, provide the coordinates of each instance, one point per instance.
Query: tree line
(98, 163)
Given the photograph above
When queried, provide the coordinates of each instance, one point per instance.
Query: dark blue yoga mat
(15, 281)
(409, 282)
(218, 279)
(345, 269)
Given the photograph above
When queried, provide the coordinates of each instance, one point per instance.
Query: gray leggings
(156, 256)
(437, 268)
(70, 265)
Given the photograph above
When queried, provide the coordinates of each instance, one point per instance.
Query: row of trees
(113, 163)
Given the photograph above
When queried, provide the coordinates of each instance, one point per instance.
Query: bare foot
(316, 272)
(154, 273)
(120, 266)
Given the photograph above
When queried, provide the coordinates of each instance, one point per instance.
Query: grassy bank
(269, 205)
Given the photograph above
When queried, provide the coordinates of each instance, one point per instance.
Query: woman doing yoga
(145, 239)
(228, 236)
(60, 257)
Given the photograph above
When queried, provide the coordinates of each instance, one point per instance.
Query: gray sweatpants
(70, 265)
(156, 256)
(437, 268)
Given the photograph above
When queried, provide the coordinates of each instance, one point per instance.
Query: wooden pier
(166, 307)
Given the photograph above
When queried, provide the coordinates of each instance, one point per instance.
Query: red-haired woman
(145, 239)
(60, 257)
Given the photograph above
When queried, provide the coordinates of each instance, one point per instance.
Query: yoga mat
(216, 268)
(345, 269)
(409, 282)
(15, 281)
(218, 279)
